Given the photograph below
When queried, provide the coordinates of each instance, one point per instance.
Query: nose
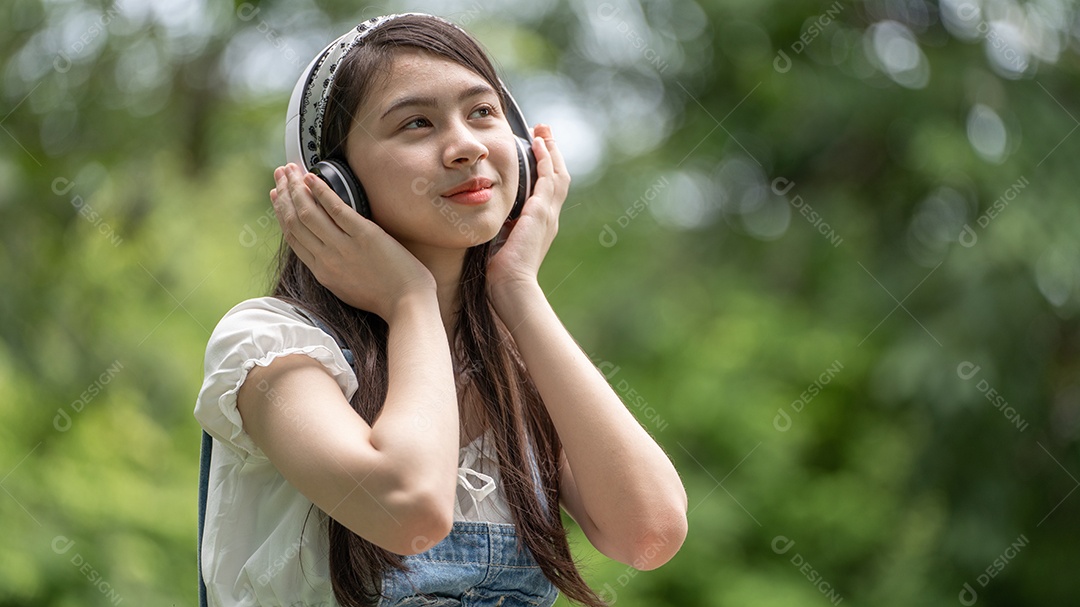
(463, 148)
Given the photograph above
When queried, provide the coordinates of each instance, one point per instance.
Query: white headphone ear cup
(341, 179)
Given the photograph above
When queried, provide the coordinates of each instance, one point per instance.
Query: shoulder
(258, 311)
(254, 333)
(262, 323)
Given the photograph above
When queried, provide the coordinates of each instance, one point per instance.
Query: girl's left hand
(526, 240)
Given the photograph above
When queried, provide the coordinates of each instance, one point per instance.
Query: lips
(472, 185)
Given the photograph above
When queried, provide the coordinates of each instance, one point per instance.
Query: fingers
(301, 251)
(544, 167)
(294, 213)
(550, 164)
(310, 210)
(280, 209)
(559, 164)
(543, 154)
(343, 216)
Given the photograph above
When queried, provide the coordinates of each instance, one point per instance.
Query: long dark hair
(497, 380)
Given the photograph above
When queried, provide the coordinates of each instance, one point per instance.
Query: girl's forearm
(418, 426)
(628, 485)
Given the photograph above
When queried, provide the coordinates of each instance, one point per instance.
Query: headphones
(303, 125)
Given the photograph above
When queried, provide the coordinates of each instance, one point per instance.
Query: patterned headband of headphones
(312, 91)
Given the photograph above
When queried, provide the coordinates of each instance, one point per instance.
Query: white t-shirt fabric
(256, 549)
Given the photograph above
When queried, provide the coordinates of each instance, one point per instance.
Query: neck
(445, 266)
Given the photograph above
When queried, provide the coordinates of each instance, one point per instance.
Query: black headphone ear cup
(526, 175)
(337, 174)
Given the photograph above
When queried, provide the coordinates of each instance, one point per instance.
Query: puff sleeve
(256, 332)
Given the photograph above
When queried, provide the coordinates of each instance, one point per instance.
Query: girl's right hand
(348, 253)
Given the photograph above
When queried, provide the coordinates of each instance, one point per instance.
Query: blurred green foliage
(826, 253)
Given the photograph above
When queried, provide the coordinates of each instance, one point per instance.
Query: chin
(480, 232)
(464, 233)
(484, 225)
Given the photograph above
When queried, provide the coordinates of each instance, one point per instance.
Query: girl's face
(428, 128)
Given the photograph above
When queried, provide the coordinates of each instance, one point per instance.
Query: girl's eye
(414, 121)
(489, 111)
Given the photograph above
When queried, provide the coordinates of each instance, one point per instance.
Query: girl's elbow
(661, 541)
(425, 523)
(422, 510)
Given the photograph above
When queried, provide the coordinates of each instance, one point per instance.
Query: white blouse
(253, 552)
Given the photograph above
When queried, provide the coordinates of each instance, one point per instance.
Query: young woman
(431, 469)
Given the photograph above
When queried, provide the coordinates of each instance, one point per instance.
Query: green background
(765, 252)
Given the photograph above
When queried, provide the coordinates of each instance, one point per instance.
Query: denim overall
(479, 564)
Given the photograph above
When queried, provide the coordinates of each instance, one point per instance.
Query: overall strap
(204, 482)
(208, 446)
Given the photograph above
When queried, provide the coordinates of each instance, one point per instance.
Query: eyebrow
(428, 101)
